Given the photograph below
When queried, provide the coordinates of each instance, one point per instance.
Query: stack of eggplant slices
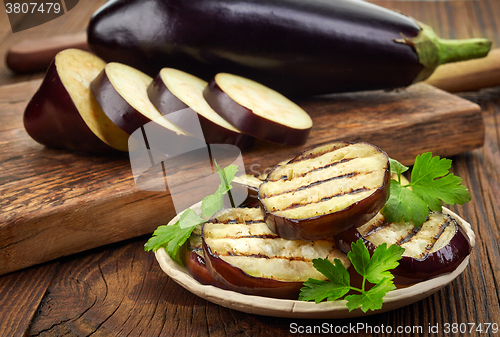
(314, 206)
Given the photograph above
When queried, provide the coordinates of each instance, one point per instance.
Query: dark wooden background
(119, 290)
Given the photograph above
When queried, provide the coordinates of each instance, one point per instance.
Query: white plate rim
(300, 309)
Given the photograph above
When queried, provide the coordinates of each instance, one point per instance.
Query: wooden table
(119, 290)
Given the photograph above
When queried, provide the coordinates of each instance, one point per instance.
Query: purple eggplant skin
(412, 270)
(296, 47)
(166, 102)
(51, 118)
(237, 280)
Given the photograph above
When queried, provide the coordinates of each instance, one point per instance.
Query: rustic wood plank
(20, 296)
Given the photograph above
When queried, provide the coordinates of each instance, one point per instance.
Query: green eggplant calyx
(433, 51)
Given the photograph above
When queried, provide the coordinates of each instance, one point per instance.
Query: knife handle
(468, 75)
(36, 55)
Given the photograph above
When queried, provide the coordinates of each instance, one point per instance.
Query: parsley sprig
(374, 269)
(173, 236)
(431, 185)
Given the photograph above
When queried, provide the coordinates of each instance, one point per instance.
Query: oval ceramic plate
(299, 309)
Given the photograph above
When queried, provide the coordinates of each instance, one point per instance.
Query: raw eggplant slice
(438, 247)
(174, 90)
(64, 114)
(258, 110)
(122, 94)
(326, 190)
(242, 253)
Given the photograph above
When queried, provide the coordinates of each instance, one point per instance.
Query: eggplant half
(242, 253)
(436, 248)
(296, 47)
(325, 191)
(64, 114)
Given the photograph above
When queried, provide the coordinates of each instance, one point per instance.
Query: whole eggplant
(297, 47)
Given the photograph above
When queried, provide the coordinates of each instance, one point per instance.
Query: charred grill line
(408, 237)
(319, 154)
(375, 228)
(429, 247)
(237, 221)
(319, 182)
(344, 160)
(295, 205)
(263, 256)
(255, 236)
(250, 222)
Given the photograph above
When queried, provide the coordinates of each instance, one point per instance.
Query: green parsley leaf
(374, 269)
(318, 290)
(215, 202)
(397, 168)
(371, 299)
(404, 205)
(431, 184)
(377, 267)
(173, 236)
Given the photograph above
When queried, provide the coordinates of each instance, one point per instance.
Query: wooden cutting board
(55, 203)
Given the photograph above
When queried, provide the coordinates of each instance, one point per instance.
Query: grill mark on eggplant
(342, 161)
(237, 221)
(296, 205)
(254, 236)
(435, 238)
(319, 182)
(313, 155)
(267, 257)
(375, 228)
(408, 237)
(251, 222)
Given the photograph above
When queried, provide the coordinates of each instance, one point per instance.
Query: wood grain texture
(119, 290)
(56, 203)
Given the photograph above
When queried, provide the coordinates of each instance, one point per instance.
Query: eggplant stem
(433, 51)
(462, 50)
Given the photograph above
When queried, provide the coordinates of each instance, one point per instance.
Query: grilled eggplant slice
(438, 247)
(326, 190)
(194, 260)
(242, 253)
(258, 110)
